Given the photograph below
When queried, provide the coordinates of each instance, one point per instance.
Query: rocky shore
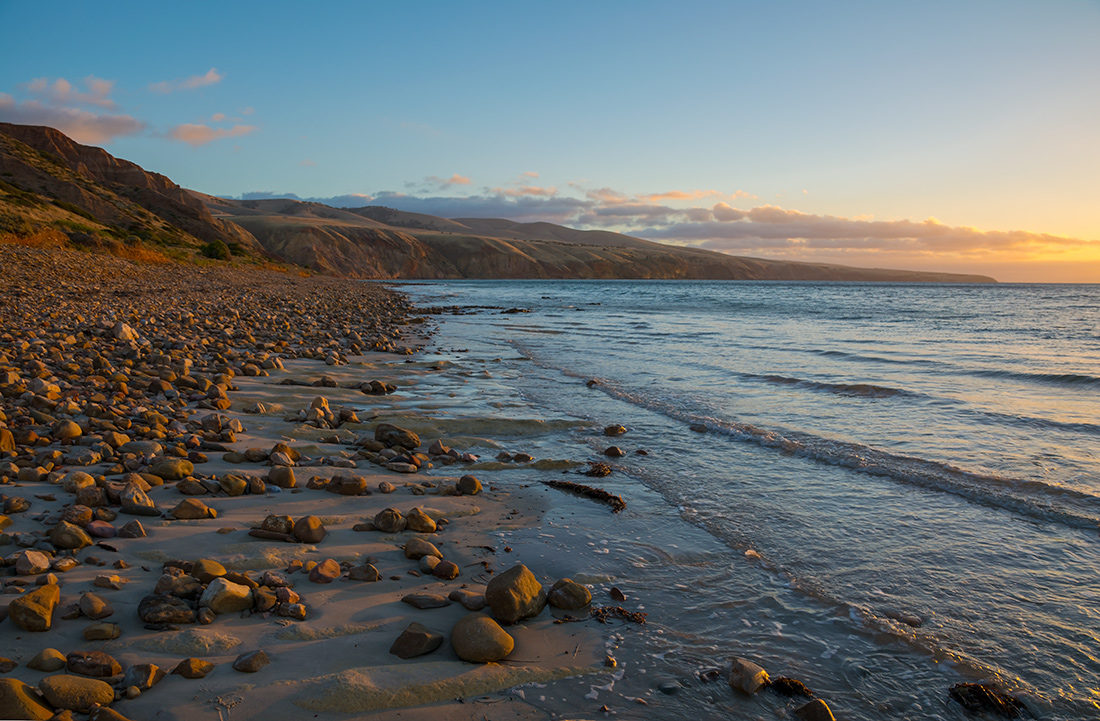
(188, 492)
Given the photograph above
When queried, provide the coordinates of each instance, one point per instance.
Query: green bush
(215, 249)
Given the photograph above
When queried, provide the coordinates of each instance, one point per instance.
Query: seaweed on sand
(596, 494)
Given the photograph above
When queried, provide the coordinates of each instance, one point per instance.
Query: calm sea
(898, 486)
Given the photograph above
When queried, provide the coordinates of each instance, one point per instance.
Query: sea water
(878, 489)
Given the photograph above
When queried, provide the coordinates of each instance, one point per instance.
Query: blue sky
(801, 130)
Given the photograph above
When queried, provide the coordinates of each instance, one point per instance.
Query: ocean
(878, 489)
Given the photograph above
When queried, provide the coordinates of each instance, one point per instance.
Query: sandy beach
(95, 359)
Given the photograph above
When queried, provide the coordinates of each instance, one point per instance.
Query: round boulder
(480, 639)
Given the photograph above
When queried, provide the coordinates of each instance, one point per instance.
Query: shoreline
(316, 664)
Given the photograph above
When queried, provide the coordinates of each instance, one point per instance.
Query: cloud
(307, 163)
(680, 195)
(211, 77)
(529, 174)
(62, 92)
(439, 182)
(196, 134)
(525, 190)
(217, 117)
(81, 125)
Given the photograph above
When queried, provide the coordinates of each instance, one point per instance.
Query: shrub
(215, 249)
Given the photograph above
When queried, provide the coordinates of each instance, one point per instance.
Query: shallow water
(898, 488)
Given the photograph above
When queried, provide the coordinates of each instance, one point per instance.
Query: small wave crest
(1062, 379)
(855, 390)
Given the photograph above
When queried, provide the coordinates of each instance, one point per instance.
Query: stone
(104, 713)
(69, 536)
(390, 520)
(96, 664)
(159, 608)
(64, 430)
(386, 487)
(479, 639)
(132, 529)
(614, 430)
(446, 570)
(417, 548)
(48, 660)
(193, 668)
(251, 662)
(365, 572)
(76, 693)
(469, 486)
(425, 600)
(206, 570)
(223, 596)
(143, 675)
(102, 632)
(326, 571)
(569, 595)
(416, 640)
(111, 581)
(515, 595)
(419, 521)
(74, 481)
(34, 611)
(282, 476)
(816, 710)
(19, 701)
(392, 436)
(193, 508)
(31, 563)
(173, 469)
(181, 586)
(309, 529)
(101, 529)
(428, 563)
(95, 606)
(233, 485)
(747, 676)
(7, 665)
(978, 698)
(348, 486)
(469, 600)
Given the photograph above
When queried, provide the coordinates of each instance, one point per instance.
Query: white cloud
(211, 77)
(81, 125)
(196, 134)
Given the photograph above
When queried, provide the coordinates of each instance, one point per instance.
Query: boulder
(96, 664)
(816, 710)
(193, 508)
(193, 668)
(102, 632)
(282, 476)
(206, 570)
(143, 675)
(159, 608)
(326, 571)
(19, 701)
(417, 548)
(392, 436)
(747, 677)
(515, 595)
(446, 570)
(34, 611)
(173, 469)
(416, 640)
(309, 529)
(251, 662)
(69, 536)
(479, 639)
(569, 595)
(419, 521)
(76, 693)
(365, 572)
(95, 606)
(390, 520)
(31, 563)
(223, 596)
(469, 486)
(48, 660)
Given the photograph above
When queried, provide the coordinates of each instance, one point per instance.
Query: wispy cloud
(454, 180)
(83, 126)
(210, 77)
(196, 134)
(307, 163)
(62, 92)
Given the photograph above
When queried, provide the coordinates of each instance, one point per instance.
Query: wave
(857, 390)
(1027, 497)
(1067, 379)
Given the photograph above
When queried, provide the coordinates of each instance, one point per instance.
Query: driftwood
(616, 502)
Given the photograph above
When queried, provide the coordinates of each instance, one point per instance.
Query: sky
(956, 136)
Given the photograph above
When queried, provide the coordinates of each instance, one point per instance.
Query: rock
(159, 608)
(112, 581)
(64, 430)
(816, 710)
(746, 676)
(76, 693)
(173, 469)
(193, 668)
(276, 579)
(569, 595)
(48, 660)
(390, 520)
(103, 713)
(102, 632)
(19, 701)
(181, 586)
(192, 508)
(31, 563)
(251, 662)
(326, 571)
(143, 675)
(386, 487)
(34, 611)
(426, 600)
(206, 570)
(419, 521)
(76, 480)
(123, 332)
(223, 596)
(469, 486)
(101, 529)
(979, 698)
(282, 476)
(348, 486)
(366, 572)
(789, 687)
(428, 563)
(446, 570)
(468, 599)
(614, 430)
(96, 664)
(309, 529)
(95, 606)
(416, 640)
(417, 548)
(614, 452)
(278, 524)
(69, 536)
(233, 485)
(392, 436)
(7, 665)
(479, 639)
(132, 529)
(515, 595)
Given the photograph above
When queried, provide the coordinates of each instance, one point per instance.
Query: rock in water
(569, 595)
(76, 693)
(748, 677)
(977, 698)
(479, 639)
(416, 640)
(816, 710)
(34, 611)
(19, 701)
(515, 595)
